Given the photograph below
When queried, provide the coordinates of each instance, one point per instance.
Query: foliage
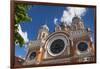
(20, 16)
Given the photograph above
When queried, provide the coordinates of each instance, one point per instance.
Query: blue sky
(45, 15)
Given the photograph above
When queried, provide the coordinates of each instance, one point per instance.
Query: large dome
(76, 18)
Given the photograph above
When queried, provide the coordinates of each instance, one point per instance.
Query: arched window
(43, 35)
(32, 55)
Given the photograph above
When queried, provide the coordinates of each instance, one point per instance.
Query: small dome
(45, 27)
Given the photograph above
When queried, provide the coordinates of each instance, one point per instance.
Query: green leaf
(20, 16)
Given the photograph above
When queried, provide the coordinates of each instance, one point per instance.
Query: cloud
(26, 48)
(70, 12)
(23, 34)
(21, 57)
(55, 20)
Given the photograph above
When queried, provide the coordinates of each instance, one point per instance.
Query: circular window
(82, 46)
(57, 46)
(32, 55)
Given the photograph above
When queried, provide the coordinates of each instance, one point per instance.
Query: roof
(76, 17)
(35, 44)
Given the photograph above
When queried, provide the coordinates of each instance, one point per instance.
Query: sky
(50, 15)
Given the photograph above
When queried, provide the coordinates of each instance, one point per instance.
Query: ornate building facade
(67, 44)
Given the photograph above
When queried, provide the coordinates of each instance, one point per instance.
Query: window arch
(32, 55)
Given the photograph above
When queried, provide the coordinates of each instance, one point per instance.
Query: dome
(45, 27)
(76, 18)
